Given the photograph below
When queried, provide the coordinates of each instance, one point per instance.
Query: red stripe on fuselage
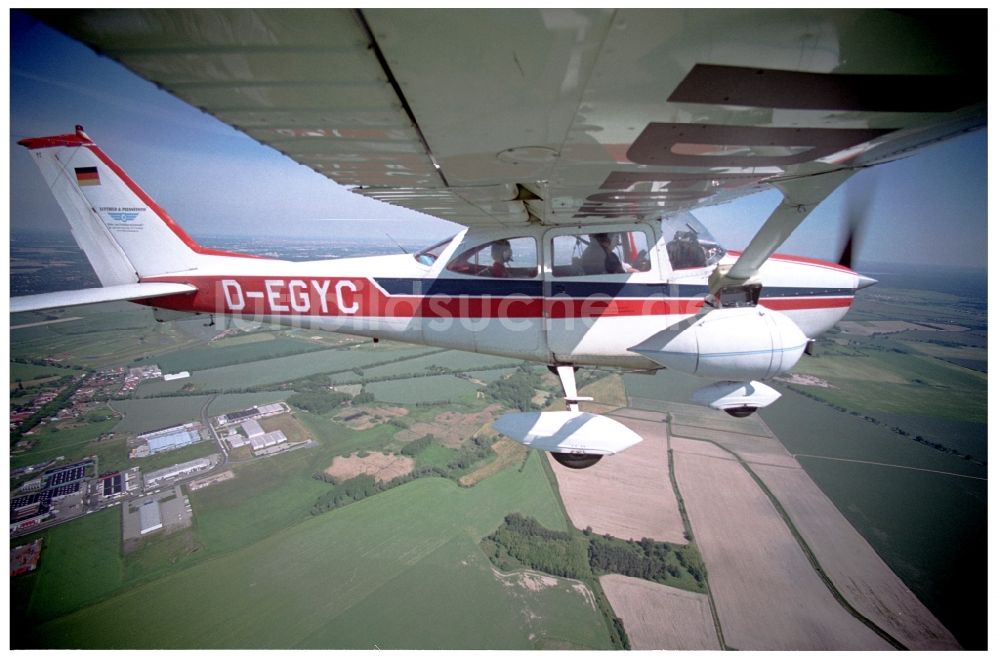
(792, 304)
(601, 307)
(345, 297)
(806, 261)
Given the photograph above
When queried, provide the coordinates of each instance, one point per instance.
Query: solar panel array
(59, 482)
(68, 475)
(112, 485)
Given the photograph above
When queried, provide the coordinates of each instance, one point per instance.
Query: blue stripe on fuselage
(500, 287)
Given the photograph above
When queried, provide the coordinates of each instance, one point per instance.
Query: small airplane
(580, 255)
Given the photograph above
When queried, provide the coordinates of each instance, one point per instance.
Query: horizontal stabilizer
(139, 291)
(568, 432)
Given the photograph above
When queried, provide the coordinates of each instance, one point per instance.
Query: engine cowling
(739, 343)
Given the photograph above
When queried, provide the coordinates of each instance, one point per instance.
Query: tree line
(522, 541)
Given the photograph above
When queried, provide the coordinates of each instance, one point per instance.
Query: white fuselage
(551, 318)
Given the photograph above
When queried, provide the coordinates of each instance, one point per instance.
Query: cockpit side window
(428, 256)
(689, 244)
(508, 257)
(600, 253)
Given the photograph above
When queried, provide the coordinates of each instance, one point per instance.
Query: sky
(213, 180)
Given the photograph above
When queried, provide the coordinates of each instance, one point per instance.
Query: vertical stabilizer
(125, 235)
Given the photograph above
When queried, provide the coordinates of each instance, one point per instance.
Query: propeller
(858, 196)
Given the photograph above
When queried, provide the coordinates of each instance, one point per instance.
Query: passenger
(502, 254)
(600, 257)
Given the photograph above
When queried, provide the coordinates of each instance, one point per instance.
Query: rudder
(124, 233)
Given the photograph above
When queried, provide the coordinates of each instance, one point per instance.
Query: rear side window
(600, 253)
(509, 257)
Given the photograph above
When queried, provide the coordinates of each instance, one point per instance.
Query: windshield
(689, 244)
(428, 256)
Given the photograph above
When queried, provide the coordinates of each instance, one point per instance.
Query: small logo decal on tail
(124, 216)
(87, 176)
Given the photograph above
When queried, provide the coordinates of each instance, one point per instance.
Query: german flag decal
(87, 176)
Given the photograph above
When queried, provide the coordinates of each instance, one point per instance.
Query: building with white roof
(252, 428)
(267, 440)
(149, 518)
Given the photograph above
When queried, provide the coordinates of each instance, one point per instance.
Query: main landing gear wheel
(576, 461)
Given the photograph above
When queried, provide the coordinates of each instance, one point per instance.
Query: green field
(81, 563)
(805, 426)
(399, 570)
(111, 334)
(929, 529)
(145, 415)
(73, 443)
(277, 370)
(28, 372)
(427, 389)
(211, 357)
(463, 360)
(887, 381)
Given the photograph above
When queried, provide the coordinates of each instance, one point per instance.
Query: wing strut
(801, 196)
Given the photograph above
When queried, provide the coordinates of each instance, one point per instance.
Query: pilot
(502, 254)
(600, 257)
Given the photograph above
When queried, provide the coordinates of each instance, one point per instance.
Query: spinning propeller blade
(857, 208)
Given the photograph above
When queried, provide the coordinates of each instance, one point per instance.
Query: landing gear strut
(567, 377)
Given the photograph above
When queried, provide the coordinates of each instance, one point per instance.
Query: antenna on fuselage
(405, 251)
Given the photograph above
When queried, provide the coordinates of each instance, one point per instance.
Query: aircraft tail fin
(124, 233)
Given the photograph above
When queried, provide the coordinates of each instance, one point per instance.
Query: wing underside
(563, 116)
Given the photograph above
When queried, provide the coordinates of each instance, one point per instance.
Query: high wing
(567, 116)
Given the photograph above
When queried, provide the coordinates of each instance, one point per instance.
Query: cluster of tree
(318, 402)
(478, 449)
(395, 421)
(646, 559)
(347, 491)
(314, 394)
(517, 390)
(522, 541)
(313, 383)
(417, 446)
